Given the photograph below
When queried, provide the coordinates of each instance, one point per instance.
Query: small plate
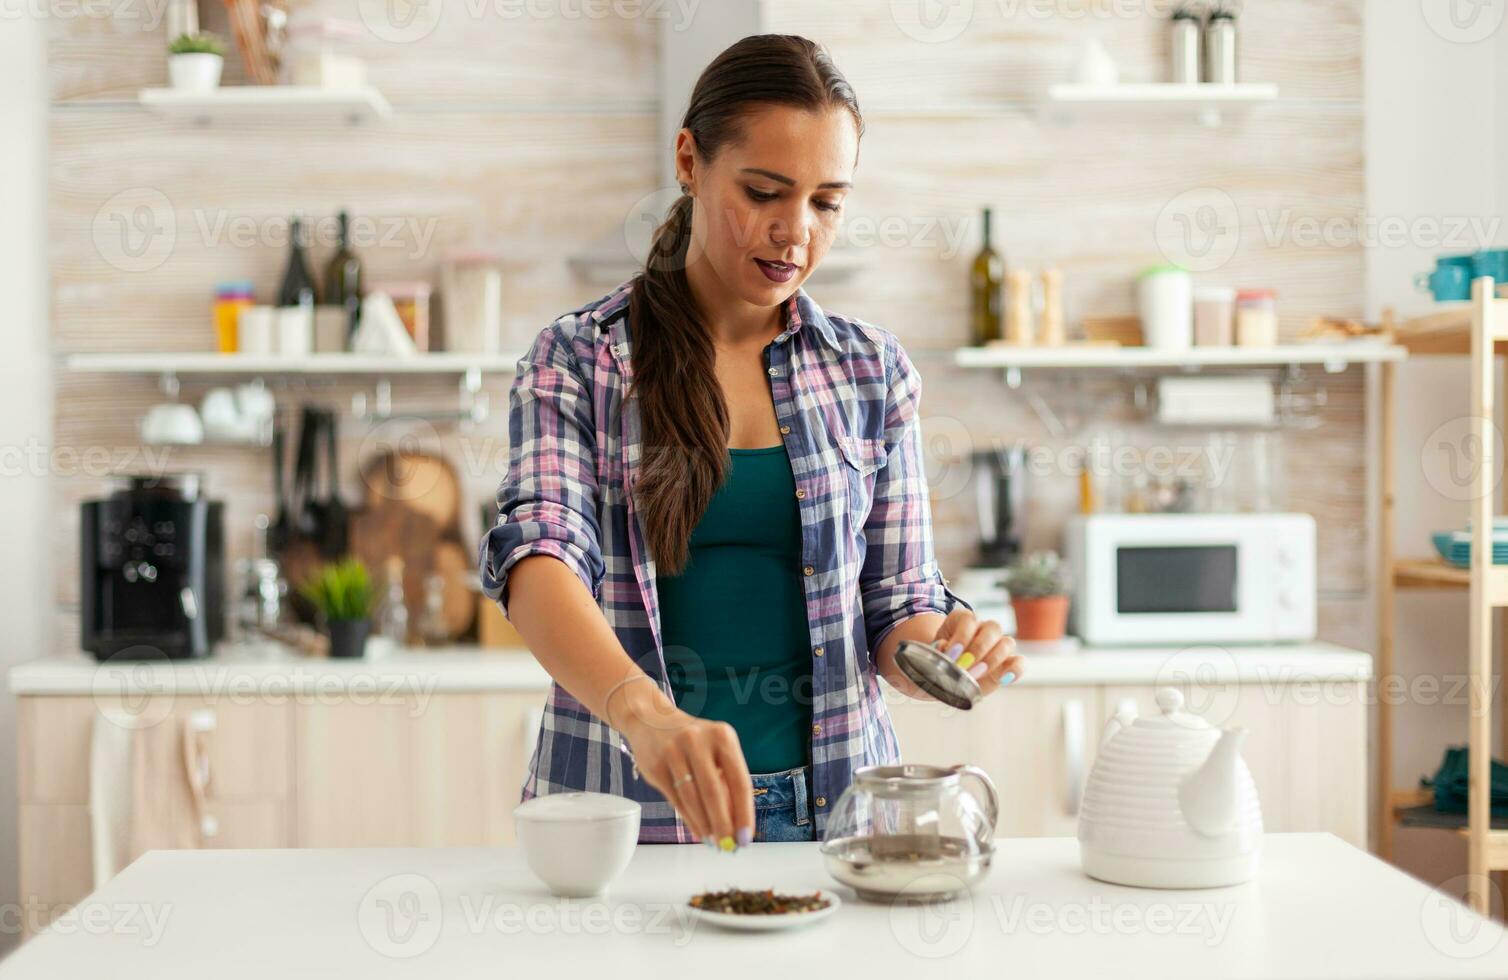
(768, 923)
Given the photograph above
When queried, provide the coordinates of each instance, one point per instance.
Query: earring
(685, 189)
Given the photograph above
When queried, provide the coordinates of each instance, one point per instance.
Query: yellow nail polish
(965, 660)
(726, 843)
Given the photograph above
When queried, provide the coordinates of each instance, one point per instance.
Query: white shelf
(240, 103)
(1332, 356)
(1208, 103)
(314, 364)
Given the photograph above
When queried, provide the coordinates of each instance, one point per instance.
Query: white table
(1321, 908)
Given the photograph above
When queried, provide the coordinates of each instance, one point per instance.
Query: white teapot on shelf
(1169, 802)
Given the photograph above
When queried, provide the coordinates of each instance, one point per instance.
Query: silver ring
(682, 779)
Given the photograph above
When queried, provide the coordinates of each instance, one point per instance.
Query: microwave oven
(1192, 578)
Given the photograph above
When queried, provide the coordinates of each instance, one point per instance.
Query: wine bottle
(296, 277)
(985, 302)
(343, 278)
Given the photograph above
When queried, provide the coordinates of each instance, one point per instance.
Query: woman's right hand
(717, 801)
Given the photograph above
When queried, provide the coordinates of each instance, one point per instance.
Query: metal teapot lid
(929, 669)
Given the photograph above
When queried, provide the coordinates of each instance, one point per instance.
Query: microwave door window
(1191, 579)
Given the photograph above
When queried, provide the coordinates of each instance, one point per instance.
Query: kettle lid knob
(1169, 700)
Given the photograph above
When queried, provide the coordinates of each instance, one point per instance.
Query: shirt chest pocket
(860, 461)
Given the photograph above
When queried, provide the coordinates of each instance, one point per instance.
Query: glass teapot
(912, 832)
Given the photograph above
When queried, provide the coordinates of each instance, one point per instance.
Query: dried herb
(736, 901)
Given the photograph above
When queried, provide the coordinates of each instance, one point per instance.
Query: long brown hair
(684, 416)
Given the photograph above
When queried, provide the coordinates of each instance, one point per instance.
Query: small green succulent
(342, 591)
(1038, 575)
(197, 44)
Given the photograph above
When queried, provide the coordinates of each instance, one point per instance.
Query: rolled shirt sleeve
(900, 577)
(547, 504)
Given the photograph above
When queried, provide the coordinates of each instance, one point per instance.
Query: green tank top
(734, 620)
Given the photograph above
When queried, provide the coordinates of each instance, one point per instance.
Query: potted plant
(342, 593)
(1039, 595)
(195, 61)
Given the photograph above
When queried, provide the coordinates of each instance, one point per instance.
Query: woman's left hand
(981, 646)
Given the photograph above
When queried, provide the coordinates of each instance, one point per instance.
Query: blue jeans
(782, 805)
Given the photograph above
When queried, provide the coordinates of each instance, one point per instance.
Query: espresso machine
(151, 561)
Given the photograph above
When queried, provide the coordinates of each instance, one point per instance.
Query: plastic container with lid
(1257, 318)
(1165, 299)
(1214, 316)
(230, 299)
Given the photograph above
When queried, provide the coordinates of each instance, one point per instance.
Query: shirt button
(774, 371)
(800, 494)
(785, 430)
(818, 651)
(809, 570)
(822, 801)
(816, 729)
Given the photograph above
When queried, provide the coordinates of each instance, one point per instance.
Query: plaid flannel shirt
(846, 396)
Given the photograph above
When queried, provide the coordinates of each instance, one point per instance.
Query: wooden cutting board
(413, 509)
(422, 481)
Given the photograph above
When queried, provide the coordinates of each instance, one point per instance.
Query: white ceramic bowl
(577, 843)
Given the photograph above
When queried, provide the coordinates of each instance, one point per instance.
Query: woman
(714, 530)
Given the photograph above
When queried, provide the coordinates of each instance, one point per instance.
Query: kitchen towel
(1450, 783)
(140, 796)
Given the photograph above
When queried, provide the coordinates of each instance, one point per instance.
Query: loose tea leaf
(736, 901)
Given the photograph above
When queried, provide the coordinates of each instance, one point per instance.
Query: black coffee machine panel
(1000, 502)
(153, 572)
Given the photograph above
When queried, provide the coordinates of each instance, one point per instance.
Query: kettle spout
(1209, 797)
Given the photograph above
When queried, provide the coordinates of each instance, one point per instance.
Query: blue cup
(1491, 262)
(1451, 280)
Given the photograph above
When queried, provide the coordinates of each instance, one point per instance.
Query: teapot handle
(991, 799)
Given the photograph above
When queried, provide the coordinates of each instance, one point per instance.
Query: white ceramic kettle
(1170, 802)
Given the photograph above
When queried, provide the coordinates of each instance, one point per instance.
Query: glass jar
(1257, 318)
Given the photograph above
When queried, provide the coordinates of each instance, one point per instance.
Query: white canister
(295, 331)
(256, 330)
(1165, 299)
(471, 287)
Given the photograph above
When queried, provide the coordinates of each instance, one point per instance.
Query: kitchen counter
(1319, 909)
(270, 668)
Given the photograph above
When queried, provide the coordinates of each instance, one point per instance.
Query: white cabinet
(1036, 744)
(1305, 744)
(406, 771)
(442, 770)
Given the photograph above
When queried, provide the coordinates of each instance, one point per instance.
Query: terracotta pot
(1044, 618)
